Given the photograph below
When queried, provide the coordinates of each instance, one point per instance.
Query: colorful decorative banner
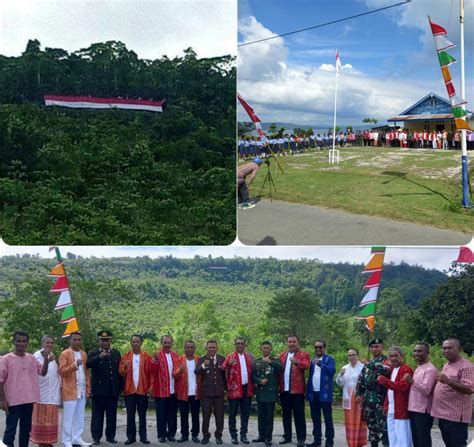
(445, 60)
(369, 301)
(71, 327)
(60, 285)
(58, 270)
(64, 302)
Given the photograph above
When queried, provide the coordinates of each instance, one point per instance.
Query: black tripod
(268, 179)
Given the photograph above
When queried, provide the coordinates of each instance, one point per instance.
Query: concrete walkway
(283, 223)
(339, 440)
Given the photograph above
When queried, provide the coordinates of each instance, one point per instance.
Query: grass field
(421, 186)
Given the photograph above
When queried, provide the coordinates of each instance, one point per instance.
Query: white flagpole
(465, 171)
(335, 106)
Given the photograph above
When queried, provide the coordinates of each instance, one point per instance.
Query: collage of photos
(236, 222)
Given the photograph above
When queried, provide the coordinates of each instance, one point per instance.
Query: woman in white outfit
(356, 428)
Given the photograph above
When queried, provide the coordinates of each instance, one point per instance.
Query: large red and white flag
(90, 102)
(253, 116)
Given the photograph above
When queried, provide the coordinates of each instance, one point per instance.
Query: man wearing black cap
(371, 394)
(106, 387)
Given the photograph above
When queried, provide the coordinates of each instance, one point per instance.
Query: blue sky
(436, 257)
(389, 60)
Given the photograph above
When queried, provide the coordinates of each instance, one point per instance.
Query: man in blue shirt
(319, 393)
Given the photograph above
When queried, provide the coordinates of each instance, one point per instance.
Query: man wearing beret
(371, 394)
(106, 386)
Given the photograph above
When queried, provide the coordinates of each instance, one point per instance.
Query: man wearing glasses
(319, 393)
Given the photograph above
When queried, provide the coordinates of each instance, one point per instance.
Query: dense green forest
(113, 176)
(209, 297)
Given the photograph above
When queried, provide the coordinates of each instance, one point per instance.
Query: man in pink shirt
(421, 396)
(452, 402)
(19, 389)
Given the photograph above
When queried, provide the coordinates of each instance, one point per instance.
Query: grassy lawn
(420, 186)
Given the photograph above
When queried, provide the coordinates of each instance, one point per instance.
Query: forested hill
(205, 297)
(114, 176)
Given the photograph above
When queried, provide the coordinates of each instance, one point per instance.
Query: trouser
(421, 424)
(293, 404)
(399, 433)
(185, 406)
(265, 420)
(24, 414)
(376, 421)
(104, 405)
(73, 421)
(136, 403)
(243, 193)
(212, 405)
(316, 406)
(166, 416)
(244, 404)
(454, 433)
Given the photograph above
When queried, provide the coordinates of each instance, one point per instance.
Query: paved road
(339, 440)
(283, 223)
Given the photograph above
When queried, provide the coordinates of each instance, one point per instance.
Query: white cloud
(150, 28)
(280, 91)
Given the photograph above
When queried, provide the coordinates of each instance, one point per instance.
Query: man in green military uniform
(372, 395)
(265, 375)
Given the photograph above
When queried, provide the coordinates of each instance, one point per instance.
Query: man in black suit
(213, 388)
(106, 386)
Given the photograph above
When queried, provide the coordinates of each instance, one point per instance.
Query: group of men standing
(397, 405)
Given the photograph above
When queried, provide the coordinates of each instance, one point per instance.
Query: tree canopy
(115, 176)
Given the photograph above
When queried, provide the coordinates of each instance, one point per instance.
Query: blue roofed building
(430, 113)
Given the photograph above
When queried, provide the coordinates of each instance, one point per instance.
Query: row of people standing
(383, 394)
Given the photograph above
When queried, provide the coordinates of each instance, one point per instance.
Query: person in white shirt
(356, 428)
(44, 429)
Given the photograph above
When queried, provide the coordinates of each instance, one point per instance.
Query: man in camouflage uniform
(372, 395)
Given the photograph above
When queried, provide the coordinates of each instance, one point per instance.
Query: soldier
(265, 375)
(106, 386)
(372, 395)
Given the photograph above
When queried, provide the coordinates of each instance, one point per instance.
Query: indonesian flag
(90, 102)
(338, 64)
(466, 253)
(252, 115)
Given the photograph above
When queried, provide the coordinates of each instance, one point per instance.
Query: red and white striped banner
(90, 102)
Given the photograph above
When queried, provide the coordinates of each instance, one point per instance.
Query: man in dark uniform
(106, 386)
(265, 375)
(372, 395)
(210, 368)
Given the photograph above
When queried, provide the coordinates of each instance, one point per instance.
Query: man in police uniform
(372, 395)
(106, 386)
(265, 375)
(210, 368)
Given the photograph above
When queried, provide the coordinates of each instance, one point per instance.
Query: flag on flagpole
(466, 253)
(57, 270)
(338, 64)
(71, 327)
(253, 116)
(64, 300)
(445, 60)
